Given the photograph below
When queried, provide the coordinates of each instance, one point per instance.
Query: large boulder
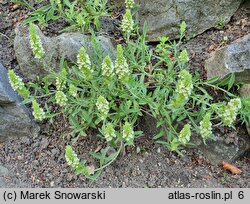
(15, 119)
(65, 45)
(234, 58)
(164, 16)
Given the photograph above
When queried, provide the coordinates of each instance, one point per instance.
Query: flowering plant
(110, 95)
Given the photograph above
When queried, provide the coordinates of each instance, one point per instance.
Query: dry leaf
(98, 148)
(14, 7)
(233, 169)
(208, 177)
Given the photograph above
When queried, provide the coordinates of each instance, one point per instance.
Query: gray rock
(245, 93)
(223, 150)
(44, 143)
(7, 95)
(65, 45)
(234, 58)
(3, 170)
(15, 119)
(164, 16)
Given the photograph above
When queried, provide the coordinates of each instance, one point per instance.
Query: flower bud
(185, 134)
(229, 112)
(17, 84)
(107, 67)
(103, 107)
(121, 65)
(127, 22)
(128, 132)
(36, 43)
(109, 132)
(71, 157)
(84, 64)
(61, 98)
(206, 127)
(129, 4)
(38, 112)
(72, 90)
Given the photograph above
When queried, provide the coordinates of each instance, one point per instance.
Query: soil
(40, 162)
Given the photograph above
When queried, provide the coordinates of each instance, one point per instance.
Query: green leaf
(227, 81)
(23, 3)
(159, 135)
(213, 80)
(183, 27)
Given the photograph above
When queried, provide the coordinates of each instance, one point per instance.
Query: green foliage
(245, 111)
(23, 3)
(228, 81)
(81, 15)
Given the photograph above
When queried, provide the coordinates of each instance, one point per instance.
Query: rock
(221, 150)
(44, 143)
(15, 119)
(164, 16)
(148, 126)
(65, 45)
(3, 170)
(234, 58)
(245, 93)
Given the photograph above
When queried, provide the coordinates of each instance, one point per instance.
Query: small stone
(158, 150)
(35, 163)
(44, 143)
(20, 157)
(52, 184)
(54, 152)
(26, 140)
(3, 171)
(69, 177)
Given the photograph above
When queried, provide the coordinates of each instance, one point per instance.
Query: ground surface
(39, 161)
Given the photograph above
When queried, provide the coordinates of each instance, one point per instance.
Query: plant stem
(117, 153)
(216, 87)
(5, 36)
